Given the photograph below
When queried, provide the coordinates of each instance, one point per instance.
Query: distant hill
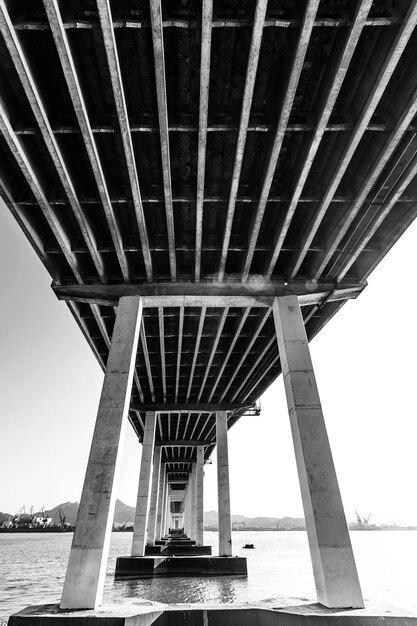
(211, 519)
(125, 514)
(68, 509)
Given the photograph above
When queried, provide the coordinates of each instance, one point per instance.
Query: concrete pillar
(187, 509)
(142, 502)
(84, 581)
(154, 496)
(167, 506)
(169, 515)
(193, 502)
(334, 566)
(200, 496)
(161, 492)
(164, 506)
(223, 487)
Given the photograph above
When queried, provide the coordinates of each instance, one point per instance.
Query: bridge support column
(142, 503)
(200, 496)
(167, 510)
(223, 486)
(154, 495)
(187, 510)
(193, 502)
(165, 513)
(84, 581)
(331, 552)
(161, 493)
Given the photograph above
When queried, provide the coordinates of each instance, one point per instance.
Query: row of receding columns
(154, 495)
(334, 567)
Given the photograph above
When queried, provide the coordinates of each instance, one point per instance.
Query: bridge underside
(193, 172)
(214, 144)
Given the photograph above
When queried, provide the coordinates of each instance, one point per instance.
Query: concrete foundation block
(177, 550)
(222, 615)
(147, 567)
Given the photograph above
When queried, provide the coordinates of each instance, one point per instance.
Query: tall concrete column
(223, 486)
(169, 516)
(161, 492)
(142, 502)
(200, 496)
(164, 505)
(167, 508)
(187, 509)
(193, 502)
(154, 496)
(84, 581)
(331, 552)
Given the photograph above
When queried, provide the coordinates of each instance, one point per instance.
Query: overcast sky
(366, 367)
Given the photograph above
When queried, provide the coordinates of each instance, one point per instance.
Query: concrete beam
(255, 293)
(189, 443)
(177, 481)
(110, 47)
(161, 96)
(180, 407)
(206, 24)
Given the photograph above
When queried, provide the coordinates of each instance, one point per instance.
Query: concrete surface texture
(334, 567)
(151, 536)
(142, 503)
(87, 564)
(183, 566)
(223, 486)
(199, 483)
(161, 492)
(275, 612)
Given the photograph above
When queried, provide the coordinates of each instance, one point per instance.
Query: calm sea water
(32, 569)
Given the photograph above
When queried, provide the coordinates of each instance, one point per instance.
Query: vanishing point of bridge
(207, 183)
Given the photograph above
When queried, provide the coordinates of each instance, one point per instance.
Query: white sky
(366, 368)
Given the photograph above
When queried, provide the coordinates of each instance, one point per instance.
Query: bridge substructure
(207, 184)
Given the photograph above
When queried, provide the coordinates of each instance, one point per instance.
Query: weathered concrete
(87, 564)
(331, 552)
(268, 613)
(223, 486)
(154, 496)
(187, 510)
(150, 566)
(164, 506)
(178, 549)
(161, 491)
(141, 515)
(193, 481)
(199, 478)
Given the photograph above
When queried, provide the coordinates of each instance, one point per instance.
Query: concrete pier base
(265, 614)
(150, 566)
(178, 550)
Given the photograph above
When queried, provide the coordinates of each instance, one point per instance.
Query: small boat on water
(249, 546)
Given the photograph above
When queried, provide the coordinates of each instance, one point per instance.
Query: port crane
(362, 521)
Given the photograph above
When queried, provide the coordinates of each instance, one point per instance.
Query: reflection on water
(182, 590)
(32, 569)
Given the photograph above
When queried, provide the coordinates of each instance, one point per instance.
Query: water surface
(32, 569)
